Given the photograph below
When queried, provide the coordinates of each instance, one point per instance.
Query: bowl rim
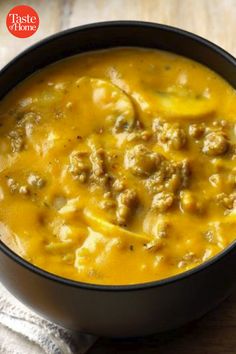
(137, 286)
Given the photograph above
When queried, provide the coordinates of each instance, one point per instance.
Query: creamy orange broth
(118, 167)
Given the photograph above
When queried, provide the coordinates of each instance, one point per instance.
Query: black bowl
(131, 310)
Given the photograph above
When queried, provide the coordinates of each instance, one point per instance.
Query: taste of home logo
(22, 21)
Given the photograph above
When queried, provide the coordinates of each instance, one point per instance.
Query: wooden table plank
(212, 19)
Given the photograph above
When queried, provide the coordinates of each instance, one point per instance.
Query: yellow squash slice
(108, 229)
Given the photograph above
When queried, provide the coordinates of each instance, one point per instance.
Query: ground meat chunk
(16, 140)
(171, 136)
(160, 234)
(216, 232)
(227, 201)
(173, 183)
(177, 138)
(79, 165)
(163, 201)
(185, 172)
(171, 176)
(215, 143)
(15, 187)
(209, 236)
(36, 181)
(98, 164)
(197, 130)
(126, 203)
(118, 185)
(12, 184)
(107, 203)
(141, 161)
(28, 121)
(188, 259)
(24, 129)
(97, 159)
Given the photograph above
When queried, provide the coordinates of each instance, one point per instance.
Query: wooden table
(213, 19)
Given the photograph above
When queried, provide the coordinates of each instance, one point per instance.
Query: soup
(118, 166)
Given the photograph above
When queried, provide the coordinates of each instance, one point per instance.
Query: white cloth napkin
(24, 332)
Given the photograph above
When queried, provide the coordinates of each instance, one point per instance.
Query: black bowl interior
(109, 35)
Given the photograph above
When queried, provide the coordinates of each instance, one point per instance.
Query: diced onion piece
(71, 206)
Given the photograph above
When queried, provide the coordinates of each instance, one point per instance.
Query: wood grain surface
(212, 19)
